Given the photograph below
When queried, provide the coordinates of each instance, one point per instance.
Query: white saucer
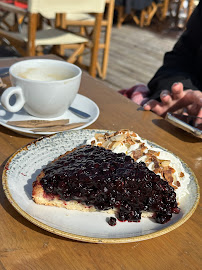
(81, 103)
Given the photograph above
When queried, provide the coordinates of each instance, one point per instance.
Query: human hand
(178, 101)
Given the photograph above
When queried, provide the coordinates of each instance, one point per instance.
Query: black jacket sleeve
(184, 62)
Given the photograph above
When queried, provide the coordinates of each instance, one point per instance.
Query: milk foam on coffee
(44, 75)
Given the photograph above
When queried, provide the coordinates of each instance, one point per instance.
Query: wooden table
(25, 246)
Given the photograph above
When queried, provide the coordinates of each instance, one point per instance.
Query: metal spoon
(4, 71)
(79, 113)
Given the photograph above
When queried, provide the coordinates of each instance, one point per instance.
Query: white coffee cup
(44, 88)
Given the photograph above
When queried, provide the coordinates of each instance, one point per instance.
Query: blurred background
(139, 35)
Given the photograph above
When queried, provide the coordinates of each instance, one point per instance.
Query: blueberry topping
(95, 176)
(112, 221)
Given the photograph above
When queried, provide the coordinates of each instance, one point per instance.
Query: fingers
(155, 106)
(199, 120)
(144, 101)
(177, 101)
(183, 100)
(165, 97)
(177, 93)
(150, 104)
(200, 114)
(194, 97)
(177, 90)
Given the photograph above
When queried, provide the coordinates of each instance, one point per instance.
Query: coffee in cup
(44, 88)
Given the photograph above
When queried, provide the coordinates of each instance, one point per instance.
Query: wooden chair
(190, 9)
(27, 43)
(164, 8)
(144, 19)
(85, 22)
(11, 24)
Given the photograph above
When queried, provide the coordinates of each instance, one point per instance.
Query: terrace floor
(136, 53)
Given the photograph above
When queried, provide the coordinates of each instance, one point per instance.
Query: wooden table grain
(26, 246)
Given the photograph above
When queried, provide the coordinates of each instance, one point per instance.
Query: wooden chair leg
(135, 17)
(120, 16)
(77, 52)
(82, 32)
(163, 7)
(32, 27)
(110, 14)
(99, 70)
(179, 4)
(190, 9)
(60, 22)
(151, 12)
(146, 15)
(59, 49)
(95, 48)
(142, 18)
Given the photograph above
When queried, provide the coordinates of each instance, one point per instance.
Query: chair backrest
(60, 7)
(66, 6)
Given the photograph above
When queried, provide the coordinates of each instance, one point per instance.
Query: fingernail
(176, 83)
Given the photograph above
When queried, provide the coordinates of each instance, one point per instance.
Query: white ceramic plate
(81, 103)
(24, 166)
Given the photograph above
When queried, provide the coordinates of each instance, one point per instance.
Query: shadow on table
(175, 131)
(13, 133)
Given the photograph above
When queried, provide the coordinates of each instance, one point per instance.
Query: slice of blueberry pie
(92, 178)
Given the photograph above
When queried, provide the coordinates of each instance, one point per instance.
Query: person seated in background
(177, 85)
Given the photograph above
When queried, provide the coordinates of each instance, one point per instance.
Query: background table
(25, 246)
